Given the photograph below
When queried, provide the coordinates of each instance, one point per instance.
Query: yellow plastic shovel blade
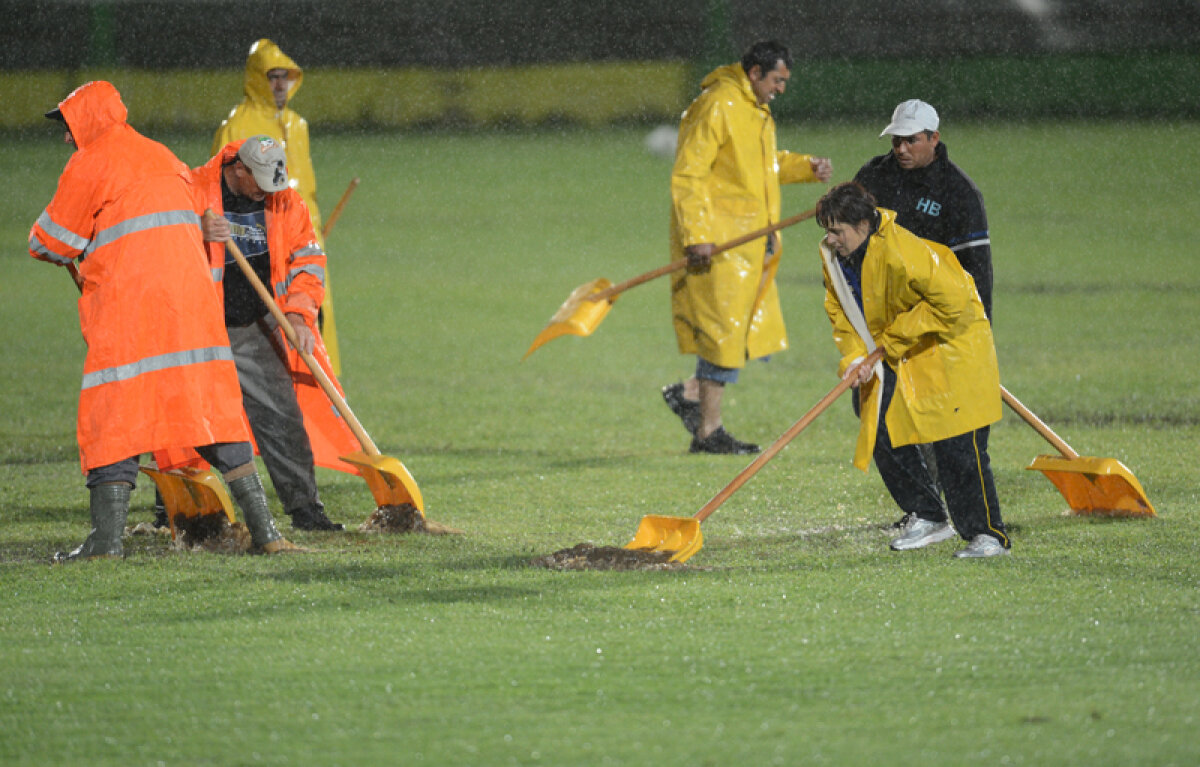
(680, 535)
(577, 316)
(191, 492)
(389, 480)
(1095, 485)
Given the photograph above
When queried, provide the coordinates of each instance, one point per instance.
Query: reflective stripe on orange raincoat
(725, 183)
(159, 372)
(297, 282)
(922, 307)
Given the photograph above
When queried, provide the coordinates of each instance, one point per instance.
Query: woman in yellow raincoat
(938, 383)
(725, 183)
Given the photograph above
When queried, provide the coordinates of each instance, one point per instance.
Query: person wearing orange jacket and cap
(271, 81)
(246, 187)
(159, 371)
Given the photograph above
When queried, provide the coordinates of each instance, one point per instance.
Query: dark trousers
(223, 455)
(274, 414)
(964, 472)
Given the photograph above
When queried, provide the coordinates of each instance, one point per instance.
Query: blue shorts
(707, 371)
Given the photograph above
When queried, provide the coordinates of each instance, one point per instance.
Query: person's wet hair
(766, 54)
(847, 203)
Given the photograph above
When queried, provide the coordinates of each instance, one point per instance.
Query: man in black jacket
(935, 200)
(931, 196)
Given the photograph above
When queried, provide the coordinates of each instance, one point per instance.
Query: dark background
(469, 33)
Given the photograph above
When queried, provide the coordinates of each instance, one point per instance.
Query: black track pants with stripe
(964, 472)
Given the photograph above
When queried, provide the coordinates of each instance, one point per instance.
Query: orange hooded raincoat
(159, 372)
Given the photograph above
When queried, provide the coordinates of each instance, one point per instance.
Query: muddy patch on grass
(213, 533)
(403, 518)
(585, 556)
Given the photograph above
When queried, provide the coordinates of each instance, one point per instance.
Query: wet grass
(794, 638)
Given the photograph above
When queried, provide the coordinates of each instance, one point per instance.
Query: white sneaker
(982, 546)
(922, 533)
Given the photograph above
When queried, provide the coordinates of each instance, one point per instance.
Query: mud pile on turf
(403, 518)
(211, 532)
(585, 556)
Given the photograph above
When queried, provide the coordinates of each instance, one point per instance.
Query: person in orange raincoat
(725, 183)
(246, 187)
(159, 371)
(272, 79)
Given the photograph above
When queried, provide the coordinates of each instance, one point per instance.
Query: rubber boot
(250, 497)
(109, 508)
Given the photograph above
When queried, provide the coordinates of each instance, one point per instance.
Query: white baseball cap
(910, 118)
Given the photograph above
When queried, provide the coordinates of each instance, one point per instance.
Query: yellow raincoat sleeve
(945, 292)
(795, 168)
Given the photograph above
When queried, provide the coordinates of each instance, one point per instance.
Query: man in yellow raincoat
(938, 383)
(272, 80)
(725, 183)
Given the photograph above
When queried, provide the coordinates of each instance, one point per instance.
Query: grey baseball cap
(267, 162)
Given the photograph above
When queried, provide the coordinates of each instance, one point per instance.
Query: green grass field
(794, 637)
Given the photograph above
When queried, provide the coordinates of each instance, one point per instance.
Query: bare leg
(711, 394)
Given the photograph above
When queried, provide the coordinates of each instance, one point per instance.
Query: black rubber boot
(109, 508)
(160, 511)
(250, 497)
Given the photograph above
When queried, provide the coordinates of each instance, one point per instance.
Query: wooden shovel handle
(75, 275)
(326, 385)
(1059, 443)
(779, 444)
(337, 212)
(621, 287)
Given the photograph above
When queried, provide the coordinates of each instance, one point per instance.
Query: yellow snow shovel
(186, 492)
(190, 492)
(681, 535)
(389, 480)
(1091, 485)
(588, 304)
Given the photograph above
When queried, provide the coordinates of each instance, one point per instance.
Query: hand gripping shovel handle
(337, 212)
(74, 272)
(782, 442)
(326, 385)
(1039, 426)
(621, 287)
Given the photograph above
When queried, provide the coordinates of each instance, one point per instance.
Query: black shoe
(903, 522)
(314, 519)
(688, 410)
(722, 442)
(160, 511)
